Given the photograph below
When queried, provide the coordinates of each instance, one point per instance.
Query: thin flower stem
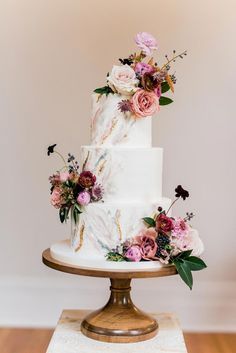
(172, 205)
(63, 159)
(174, 57)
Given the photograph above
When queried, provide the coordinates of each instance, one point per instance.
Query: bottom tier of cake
(101, 227)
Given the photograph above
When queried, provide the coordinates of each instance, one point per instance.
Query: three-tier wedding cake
(118, 212)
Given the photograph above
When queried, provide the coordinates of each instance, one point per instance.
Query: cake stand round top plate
(166, 270)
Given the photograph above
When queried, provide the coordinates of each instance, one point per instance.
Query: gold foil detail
(117, 221)
(170, 82)
(113, 125)
(86, 160)
(81, 238)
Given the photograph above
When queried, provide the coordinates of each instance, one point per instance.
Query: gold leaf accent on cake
(101, 167)
(170, 82)
(117, 221)
(86, 160)
(81, 238)
(113, 125)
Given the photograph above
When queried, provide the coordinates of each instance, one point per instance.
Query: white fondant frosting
(127, 174)
(111, 127)
(130, 171)
(102, 226)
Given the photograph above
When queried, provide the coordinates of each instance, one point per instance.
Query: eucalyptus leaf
(164, 87)
(195, 263)
(165, 100)
(184, 272)
(150, 221)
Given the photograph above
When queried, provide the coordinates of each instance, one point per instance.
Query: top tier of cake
(111, 127)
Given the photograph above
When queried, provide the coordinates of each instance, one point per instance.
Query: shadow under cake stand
(119, 321)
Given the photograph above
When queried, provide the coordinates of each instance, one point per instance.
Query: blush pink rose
(180, 228)
(56, 197)
(147, 242)
(146, 42)
(64, 176)
(145, 103)
(134, 253)
(142, 68)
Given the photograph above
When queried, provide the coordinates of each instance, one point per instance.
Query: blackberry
(162, 240)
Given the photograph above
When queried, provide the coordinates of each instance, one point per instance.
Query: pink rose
(144, 103)
(134, 253)
(56, 198)
(141, 68)
(123, 80)
(64, 176)
(147, 242)
(180, 228)
(84, 198)
(146, 42)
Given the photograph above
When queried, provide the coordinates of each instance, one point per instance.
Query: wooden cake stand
(119, 321)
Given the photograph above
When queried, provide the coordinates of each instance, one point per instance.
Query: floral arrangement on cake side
(141, 79)
(169, 240)
(72, 191)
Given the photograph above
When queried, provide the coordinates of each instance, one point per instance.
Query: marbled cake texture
(130, 172)
(111, 127)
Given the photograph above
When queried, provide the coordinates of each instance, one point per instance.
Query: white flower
(194, 242)
(122, 79)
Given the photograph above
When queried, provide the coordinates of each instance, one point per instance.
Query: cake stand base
(119, 320)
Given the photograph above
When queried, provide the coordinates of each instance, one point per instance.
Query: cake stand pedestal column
(119, 321)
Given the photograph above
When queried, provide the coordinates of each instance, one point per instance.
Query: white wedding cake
(119, 218)
(130, 169)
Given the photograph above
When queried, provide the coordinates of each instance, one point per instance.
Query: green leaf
(195, 263)
(184, 254)
(165, 100)
(78, 208)
(184, 272)
(103, 90)
(67, 209)
(150, 221)
(62, 214)
(164, 87)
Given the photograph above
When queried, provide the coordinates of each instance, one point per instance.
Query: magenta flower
(146, 42)
(157, 91)
(97, 192)
(141, 68)
(83, 198)
(134, 253)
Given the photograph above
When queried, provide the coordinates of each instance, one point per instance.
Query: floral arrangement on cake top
(71, 190)
(169, 240)
(141, 80)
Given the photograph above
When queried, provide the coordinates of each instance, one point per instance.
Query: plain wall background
(53, 54)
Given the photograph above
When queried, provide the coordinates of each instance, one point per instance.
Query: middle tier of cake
(126, 174)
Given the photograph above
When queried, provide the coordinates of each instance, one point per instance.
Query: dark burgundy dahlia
(87, 179)
(164, 223)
